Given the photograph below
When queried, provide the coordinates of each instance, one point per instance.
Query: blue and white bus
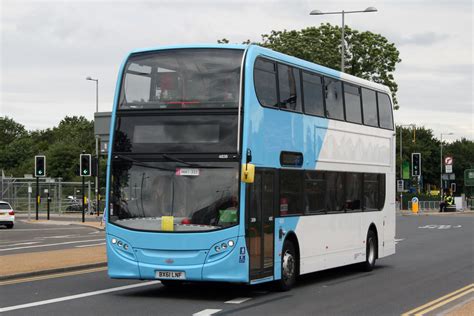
(236, 163)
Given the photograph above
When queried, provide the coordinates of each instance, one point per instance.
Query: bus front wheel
(288, 267)
(371, 251)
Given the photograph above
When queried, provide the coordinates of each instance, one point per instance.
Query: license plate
(172, 275)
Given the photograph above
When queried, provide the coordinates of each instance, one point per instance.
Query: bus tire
(289, 270)
(371, 251)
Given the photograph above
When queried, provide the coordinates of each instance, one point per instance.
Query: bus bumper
(231, 265)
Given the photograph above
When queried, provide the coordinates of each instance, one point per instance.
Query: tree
(367, 55)
(462, 152)
(9, 131)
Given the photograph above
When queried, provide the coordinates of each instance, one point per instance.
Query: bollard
(414, 205)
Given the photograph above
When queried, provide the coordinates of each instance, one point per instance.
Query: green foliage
(9, 131)
(61, 145)
(462, 152)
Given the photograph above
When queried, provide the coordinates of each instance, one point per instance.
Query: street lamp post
(318, 12)
(441, 166)
(97, 193)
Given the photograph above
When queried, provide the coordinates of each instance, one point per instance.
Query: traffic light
(85, 165)
(416, 164)
(40, 166)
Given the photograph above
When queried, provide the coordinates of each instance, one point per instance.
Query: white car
(7, 215)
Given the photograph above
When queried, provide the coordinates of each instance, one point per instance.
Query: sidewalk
(434, 212)
(47, 262)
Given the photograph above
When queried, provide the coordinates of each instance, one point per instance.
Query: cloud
(422, 39)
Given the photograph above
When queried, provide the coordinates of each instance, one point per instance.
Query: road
(26, 237)
(434, 257)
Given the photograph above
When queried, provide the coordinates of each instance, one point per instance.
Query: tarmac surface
(431, 274)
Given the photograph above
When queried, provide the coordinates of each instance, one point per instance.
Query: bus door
(260, 223)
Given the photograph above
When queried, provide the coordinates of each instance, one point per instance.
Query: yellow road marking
(423, 312)
(52, 276)
(440, 300)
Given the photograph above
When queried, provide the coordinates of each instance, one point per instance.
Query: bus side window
(265, 81)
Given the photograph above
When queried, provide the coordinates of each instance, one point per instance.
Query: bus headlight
(217, 249)
(224, 246)
(231, 243)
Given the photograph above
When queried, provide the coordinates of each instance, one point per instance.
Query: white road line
(398, 240)
(74, 297)
(238, 300)
(204, 312)
(82, 246)
(56, 237)
(33, 229)
(50, 245)
(21, 244)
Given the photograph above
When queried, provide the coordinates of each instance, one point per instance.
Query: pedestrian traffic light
(40, 166)
(85, 165)
(416, 164)
(453, 187)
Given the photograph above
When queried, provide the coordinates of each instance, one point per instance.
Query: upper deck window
(334, 103)
(290, 88)
(385, 111)
(369, 104)
(182, 78)
(266, 82)
(313, 94)
(352, 98)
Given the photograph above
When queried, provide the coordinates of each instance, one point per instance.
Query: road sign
(414, 204)
(449, 168)
(399, 185)
(469, 177)
(449, 176)
(448, 160)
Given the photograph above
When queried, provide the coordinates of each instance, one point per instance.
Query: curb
(62, 223)
(52, 271)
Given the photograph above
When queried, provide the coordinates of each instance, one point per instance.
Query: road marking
(77, 296)
(204, 312)
(425, 311)
(439, 226)
(238, 300)
(398, 240)
(52, 276)
(441, 300)
(33, 229)
(21, 244)
(50, 245)
(54, 237)
(82, 246)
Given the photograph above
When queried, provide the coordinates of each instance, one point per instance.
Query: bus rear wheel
(289, 263)
(371, 251)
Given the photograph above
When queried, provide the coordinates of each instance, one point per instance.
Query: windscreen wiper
(193, 165)
(142, 164)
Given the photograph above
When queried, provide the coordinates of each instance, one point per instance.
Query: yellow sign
(167, 223)
(414, 205)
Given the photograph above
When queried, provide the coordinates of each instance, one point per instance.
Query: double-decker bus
(236, 163)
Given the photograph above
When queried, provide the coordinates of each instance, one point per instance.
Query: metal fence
(64, 196)
(426, 206)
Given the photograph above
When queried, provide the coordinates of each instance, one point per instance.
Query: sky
(48, 48)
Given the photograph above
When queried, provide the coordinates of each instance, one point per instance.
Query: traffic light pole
(37, 197)
(83, 201)
(48, 205)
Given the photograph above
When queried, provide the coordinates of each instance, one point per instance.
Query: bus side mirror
(248, 172)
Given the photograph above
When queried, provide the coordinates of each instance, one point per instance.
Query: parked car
(7, 215)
